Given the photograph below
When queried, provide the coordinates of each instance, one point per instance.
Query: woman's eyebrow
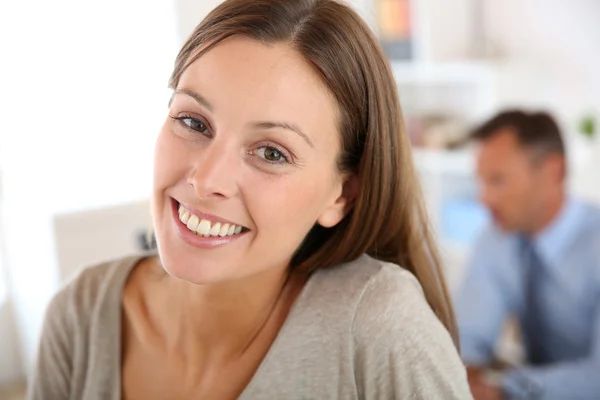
(257, 125)
(196, 96)
(283, 125)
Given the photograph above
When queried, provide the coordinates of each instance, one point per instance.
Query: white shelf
(443, 162)
(463, 88)
(476, 72)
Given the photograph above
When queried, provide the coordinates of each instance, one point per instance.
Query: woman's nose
(215, 171)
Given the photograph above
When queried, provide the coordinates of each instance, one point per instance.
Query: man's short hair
(537, 131)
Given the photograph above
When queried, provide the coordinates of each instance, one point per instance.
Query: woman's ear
(342, 205)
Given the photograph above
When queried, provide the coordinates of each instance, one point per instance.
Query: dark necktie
(534, 329)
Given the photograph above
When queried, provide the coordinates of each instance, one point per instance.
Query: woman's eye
(271, 154)
(193, 124)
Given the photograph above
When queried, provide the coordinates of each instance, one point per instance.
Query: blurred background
(83, 92)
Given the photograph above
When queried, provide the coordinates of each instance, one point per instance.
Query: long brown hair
(388, 220)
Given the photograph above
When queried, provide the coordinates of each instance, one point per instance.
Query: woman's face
(245, 163)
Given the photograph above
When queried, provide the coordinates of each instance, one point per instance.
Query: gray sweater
(362, 330)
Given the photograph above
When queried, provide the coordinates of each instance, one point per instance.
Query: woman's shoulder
(93, 285)
(92, 298)
(400, 345)
(355, 281)
(382, 291)
(392, 303)
(378, 297)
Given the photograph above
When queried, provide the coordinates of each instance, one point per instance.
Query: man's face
(512, 185)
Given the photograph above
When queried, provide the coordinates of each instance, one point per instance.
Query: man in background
(539, 263)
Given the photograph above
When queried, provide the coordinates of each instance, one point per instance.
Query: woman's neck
(219, 322)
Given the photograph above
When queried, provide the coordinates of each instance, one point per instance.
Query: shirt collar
(552, 243)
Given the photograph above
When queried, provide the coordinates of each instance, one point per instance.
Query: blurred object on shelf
(442, 131)
(436, 131)
(146, 240)
(438, 30)
(394, 20)
(463, 92)
(588, 125)
(584, 163)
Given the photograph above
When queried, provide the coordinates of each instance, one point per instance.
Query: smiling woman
(293, 248)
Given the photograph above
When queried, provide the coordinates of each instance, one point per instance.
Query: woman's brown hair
(388, 220)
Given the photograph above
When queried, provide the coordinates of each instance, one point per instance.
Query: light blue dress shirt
(494, 289)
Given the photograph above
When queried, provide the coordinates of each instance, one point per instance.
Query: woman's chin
(197, 272)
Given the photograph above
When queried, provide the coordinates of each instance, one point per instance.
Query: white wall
(557, 43)
(191, 12)
(83, 93)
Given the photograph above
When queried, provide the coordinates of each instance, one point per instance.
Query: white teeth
(224, 230)
(193, 223)
(185, 217)
(203, 227)
(216, 229)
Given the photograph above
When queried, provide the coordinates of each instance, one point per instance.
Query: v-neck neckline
(264, 365)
